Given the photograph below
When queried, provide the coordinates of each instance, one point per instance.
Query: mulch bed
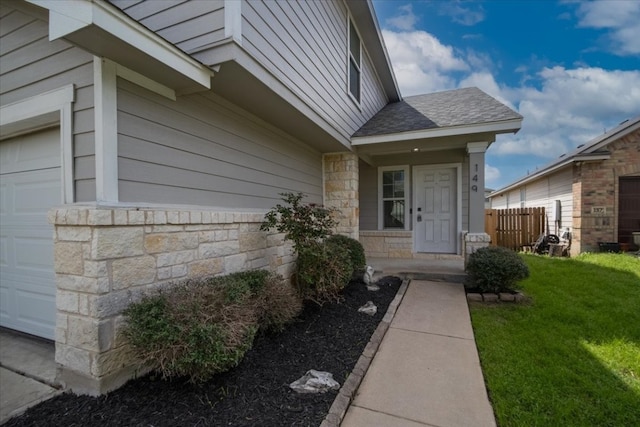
(255, 393)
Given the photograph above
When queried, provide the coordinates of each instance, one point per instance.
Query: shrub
(323, 270)
(303, 224)
(495, 269)
(199, 328)
(356, 252)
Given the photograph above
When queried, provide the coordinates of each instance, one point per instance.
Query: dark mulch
(256, 393)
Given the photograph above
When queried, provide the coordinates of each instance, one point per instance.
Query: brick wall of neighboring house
(595, 194)
(107, 258)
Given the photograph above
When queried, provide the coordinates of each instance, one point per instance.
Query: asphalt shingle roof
(468, 106)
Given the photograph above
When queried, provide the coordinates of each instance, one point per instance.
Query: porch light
(415, 150)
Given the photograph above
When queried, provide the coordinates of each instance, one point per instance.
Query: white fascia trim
(106, 129)
(145, 82)
(56, 106)
(233, 20)
(498, 127)
(66, 17)
(477, 147)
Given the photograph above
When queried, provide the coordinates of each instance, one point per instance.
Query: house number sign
(474, 187)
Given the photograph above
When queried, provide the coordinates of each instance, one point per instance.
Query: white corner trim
(477, 147)
(66, 17)
(145, 82)
(233, 20)
(45, 109)
(106, 129)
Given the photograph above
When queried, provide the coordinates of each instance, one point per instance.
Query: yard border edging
(345, 396)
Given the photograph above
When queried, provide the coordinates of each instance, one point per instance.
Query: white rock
(315, 382)
(369, 308)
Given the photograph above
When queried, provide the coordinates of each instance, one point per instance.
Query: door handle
(419, 218)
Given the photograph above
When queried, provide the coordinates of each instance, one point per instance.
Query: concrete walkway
(27, 373)
(426, 371)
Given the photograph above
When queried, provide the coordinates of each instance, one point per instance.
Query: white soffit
(104, 31)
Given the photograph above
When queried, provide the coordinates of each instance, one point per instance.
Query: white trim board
(106, 129)
(40, 111)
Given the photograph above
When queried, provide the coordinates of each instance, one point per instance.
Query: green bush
(356, 252)
(495, 269)
(323, 270)
(199, 328)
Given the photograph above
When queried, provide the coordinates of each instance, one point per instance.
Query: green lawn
(572, 356)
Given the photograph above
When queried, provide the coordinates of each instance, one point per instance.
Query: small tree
(303, 224)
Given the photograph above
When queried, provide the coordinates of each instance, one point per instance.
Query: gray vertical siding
(31, 65)
(201, 150)
(190, 25)
(304, 44)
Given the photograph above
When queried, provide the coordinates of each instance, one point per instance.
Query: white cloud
(421, 63)
(405, 21)
(462, 15)
(491, 174)
(621, 17)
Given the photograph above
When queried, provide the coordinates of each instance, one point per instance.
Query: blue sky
(572, 69)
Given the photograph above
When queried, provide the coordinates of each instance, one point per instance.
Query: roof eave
(505, 126)
(556, 166)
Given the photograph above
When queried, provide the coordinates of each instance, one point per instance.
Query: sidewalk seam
(345, 396)
(433, 333)
(397, 416)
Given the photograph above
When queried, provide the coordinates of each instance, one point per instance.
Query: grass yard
(572, 356)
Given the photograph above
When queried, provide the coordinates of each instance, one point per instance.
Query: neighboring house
(151, 137)
(593, 191)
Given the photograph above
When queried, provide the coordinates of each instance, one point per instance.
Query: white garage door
(30, 185)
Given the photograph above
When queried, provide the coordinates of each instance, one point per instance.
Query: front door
(435, 209)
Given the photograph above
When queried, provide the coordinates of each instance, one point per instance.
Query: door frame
(458, 217)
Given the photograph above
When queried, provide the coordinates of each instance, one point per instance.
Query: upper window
(393, 204)
(354, 62)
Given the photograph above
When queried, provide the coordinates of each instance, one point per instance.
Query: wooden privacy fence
(514, 228)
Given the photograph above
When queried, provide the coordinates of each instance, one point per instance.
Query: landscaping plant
(495, 269)
(356, 252)
(199, 328)
(324, 266)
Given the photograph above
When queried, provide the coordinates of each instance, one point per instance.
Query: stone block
(83, 332)
(234, 263)
(99, 217)
(73, 358)
(120, 217)
(82, 284)
(489, 297)
(68, 258)
(252, 241)
(117, 242)
(95, 268)
(174, 258)
(164, 273)
(135, 217)
(474, 297)
(170, 242)
(196, 217)
(74, 234)
(218, 249)
(67, 301)
(206, 267)
(135, 271)
(159, 217)
(178, 271)
(505, 296)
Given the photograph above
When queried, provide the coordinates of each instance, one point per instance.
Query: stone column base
(472, 242)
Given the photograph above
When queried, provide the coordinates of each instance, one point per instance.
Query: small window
(393, 202)
(355, 51)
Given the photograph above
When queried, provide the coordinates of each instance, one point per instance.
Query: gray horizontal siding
(31, 65)
(199, 150)
(304, 44)
(190, 25)
(368, 194)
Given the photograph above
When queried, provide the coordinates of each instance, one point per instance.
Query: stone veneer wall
(595, 184)
(341, 191)
(107, 258)
(399, 244)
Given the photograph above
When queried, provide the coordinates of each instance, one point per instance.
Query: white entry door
(30, 184)
(435, 210)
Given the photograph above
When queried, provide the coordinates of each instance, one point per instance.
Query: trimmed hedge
(495, 269)
(356, 252)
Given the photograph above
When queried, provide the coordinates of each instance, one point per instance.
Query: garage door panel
(31, 185)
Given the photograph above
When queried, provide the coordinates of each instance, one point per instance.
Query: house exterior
(594, 191)
(142, 142)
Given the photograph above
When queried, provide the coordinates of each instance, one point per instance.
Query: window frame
(350, 59)
(407, 197)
